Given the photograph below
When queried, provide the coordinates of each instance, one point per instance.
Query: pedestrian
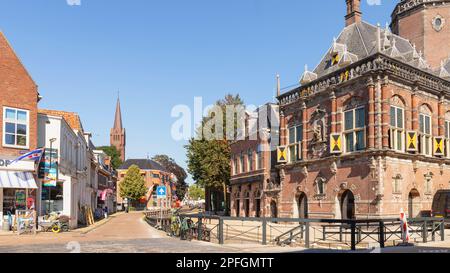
(105, 211)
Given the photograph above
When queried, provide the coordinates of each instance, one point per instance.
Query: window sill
(16, 147)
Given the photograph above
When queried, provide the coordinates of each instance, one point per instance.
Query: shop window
(425, 138)
(397, 131)
(355, 129)
(15, 128)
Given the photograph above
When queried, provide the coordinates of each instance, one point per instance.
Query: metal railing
(315, 231)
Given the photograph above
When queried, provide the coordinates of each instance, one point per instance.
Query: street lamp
(49, 188)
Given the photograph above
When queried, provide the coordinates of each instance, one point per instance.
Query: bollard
(382, 237)
(264, 232)
(307, 245)
(220, 231)
(353, 235)
(324, 233)
(199, 229)
(425, 232)
(443, 230)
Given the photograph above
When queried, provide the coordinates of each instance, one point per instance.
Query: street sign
(161, 192)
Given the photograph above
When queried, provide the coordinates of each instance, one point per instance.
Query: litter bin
(6, 226)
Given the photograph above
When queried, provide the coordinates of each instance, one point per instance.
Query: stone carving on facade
(304, 171)
(334, 168)
(320, 186)
(428, 183)
(373, 168)
(319, 141)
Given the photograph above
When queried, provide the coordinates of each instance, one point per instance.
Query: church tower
(427, 25)
(117, 136)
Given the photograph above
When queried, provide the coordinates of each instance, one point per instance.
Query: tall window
(355, 129)
(259, 159)
(447, 137)
(250, 160)
(241, 163)
(295, 138)
(426, 141)
(235, 165)
(397, 132)
(15, 128)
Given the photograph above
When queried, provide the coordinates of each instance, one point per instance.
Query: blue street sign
(161, 192)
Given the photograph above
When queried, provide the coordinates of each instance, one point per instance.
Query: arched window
(425, 131)
(397, 123)
(354, 126)
(447, 134)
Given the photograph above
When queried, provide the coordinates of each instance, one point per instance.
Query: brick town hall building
(367, 132)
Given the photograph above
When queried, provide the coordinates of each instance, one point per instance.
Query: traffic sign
(161, 192)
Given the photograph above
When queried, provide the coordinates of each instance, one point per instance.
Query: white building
(63, 132)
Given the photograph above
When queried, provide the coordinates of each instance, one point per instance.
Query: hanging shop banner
(282, 154)
(48, 168)
(336, 143)
(411, 141)
(438, 146)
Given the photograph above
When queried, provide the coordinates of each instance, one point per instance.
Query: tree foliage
(133, 185)
(112, 152)
(209, 160)
(170, 165)
(196, 192)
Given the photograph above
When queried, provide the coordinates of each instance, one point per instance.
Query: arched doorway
(302, 204)
(414, 204)
(273, 209)
(348, 205)
(247, 205)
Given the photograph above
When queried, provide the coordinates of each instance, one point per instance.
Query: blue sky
(163, 53)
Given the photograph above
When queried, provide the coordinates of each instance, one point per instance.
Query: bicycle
(187, 229)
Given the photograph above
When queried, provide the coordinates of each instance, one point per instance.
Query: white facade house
(54, 132)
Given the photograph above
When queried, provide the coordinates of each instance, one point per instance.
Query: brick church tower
(117, 136)
(427, 25)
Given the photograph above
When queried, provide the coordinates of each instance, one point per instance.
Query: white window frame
(354, 130)
(395, 129)
(5, 120)
(426, 139)
(250, 160)
(296, 144)
(447, 138)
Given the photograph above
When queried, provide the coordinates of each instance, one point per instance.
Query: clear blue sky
(166, 52)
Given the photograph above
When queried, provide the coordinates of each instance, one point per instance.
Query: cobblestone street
(123, 233)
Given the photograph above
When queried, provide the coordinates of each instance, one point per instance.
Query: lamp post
(49, 188)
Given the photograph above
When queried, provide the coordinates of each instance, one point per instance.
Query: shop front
(18, 188)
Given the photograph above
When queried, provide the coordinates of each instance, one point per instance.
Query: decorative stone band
(405, 6)
(377, 63)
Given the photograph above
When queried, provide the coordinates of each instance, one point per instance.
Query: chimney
(353, 12)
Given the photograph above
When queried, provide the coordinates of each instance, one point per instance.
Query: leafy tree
(112, 152)
(196, 192)
(170, 165)
(209, 160)
(133, 185)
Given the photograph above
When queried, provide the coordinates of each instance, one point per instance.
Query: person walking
(105, 211)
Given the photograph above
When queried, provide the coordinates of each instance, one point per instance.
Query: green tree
(196, 192)
(209, 160)
(112, 152)
(170, 165)
(133, 185)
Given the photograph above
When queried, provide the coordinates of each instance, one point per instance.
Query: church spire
(118, 117)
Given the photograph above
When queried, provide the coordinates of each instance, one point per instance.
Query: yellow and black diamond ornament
(335, 59)
(282, 154)
(411, 141)
(439, 146)
(336, 144)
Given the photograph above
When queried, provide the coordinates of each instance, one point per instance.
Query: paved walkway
(122, 233)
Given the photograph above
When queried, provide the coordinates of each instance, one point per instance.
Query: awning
(17, 180)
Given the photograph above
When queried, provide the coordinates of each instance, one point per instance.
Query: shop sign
(5, 165)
